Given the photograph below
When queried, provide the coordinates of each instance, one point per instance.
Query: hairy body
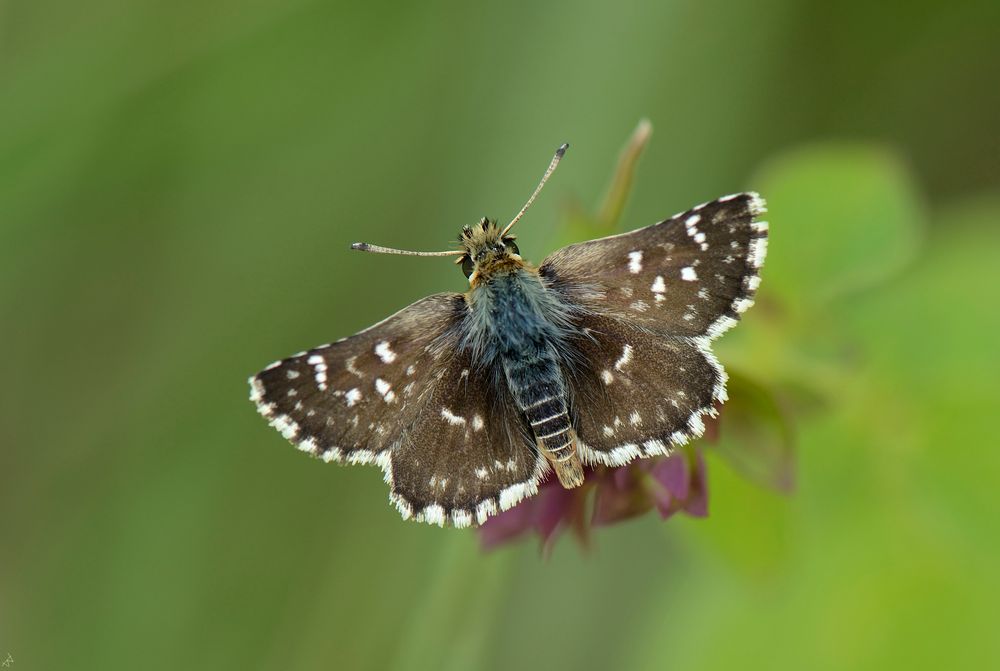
(516, 321)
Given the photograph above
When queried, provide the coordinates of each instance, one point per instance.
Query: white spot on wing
(288, 427)
(624, 358)
(452, 418)
(385, 389)
(688, 273)
(513, 494)
(635, 262)
(758, 250)
(659, 286)
(434, 514)
(319, 365)
(607, 376)
(349, 365)
(485, 509)
(353, 396)
(256, 390)
(692, 229)
(477, 423)
(697, 425)
(384, 352)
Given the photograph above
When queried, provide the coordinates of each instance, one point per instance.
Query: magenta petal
(697, 504)
(553, 505)
(664, 501)
(507, 525)
(609, 501)
(622, 477)
(612, 504)
(673, 474)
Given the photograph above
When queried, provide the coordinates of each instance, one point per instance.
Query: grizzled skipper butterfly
(600, 355)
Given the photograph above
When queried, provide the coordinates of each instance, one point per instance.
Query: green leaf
(756, 434)
(843, 217)
(578, 224)
(611, 209)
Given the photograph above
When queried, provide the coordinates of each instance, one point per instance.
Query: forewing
(350, 399)
(402, 394)
(691, 275)
(638, 393)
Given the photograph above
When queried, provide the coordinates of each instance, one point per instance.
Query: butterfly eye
(468, 266)
(512, 248)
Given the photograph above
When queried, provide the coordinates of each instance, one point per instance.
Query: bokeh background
(179, 183)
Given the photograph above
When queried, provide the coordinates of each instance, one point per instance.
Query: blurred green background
(179, 183)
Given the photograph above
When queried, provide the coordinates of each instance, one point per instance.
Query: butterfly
(599, 356)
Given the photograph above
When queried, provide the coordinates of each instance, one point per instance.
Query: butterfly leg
(565, 461)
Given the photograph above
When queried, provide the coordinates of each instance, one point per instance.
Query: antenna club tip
(360, 246)
(562, 149)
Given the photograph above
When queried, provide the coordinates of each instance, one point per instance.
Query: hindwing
(639, 394)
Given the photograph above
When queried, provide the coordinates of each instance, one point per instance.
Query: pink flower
(671, 484)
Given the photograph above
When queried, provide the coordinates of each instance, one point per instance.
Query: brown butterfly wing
(651, 301)
(404, 395)
(691, 275)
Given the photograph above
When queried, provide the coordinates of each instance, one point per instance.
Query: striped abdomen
(536, 383)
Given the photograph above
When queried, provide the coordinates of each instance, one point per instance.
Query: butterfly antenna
(365, 247)
(552, 166)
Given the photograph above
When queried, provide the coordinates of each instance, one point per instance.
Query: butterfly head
(486, 249)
